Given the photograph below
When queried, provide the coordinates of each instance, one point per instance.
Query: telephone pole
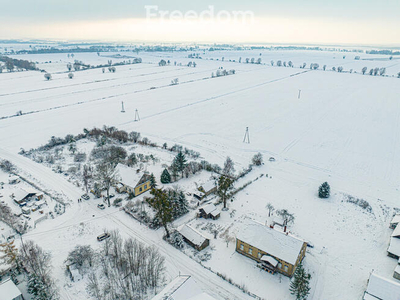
(137, 118)
(246, 136)
(123, 109)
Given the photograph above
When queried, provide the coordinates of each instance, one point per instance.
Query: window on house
(250, 251)
(145, 186)
(286, 268)
(241, 247)
(279, 265)
(140, 189)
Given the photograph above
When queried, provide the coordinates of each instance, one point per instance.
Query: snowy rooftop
(8, 290)
(192, 235)
(396, 232)
(128, 175)
(396, 219)
(394, 246)
(209, 208)
(397, 269)
(382, 288)
(182, 288)
(208, 186)
(273, 242)
(270, 260)
(21, 194)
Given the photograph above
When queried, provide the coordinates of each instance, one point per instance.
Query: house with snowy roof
(20, 196)
(395, 221)
(275, 251)
(210, 211)
(193, 237)
(208, 188)
(132, 181)
(380, 288)
(9, 291)
(182, 288)
(394, 245)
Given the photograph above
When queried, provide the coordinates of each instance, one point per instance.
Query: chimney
(284, 229)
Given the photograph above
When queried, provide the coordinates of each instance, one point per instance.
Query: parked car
(101, 206)
(85, 197)
(103, 236)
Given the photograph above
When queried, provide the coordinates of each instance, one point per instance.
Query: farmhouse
(395, 221)
(209, 211)
(9, 291)
(380, 288)
(132, 181)
(274, 251)
(182, 288)
(193, 237)
(208, 188)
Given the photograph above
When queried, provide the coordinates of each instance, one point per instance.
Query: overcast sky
(278, 21)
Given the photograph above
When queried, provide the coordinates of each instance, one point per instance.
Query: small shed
(193, 237)
(208, 188)
(13, 179)
(210, 211)
(9, 291)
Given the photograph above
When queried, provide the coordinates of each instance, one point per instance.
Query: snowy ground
(344, 129)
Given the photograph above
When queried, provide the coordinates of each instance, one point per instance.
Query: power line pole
(299, 94)
(137, 118)
(246, 136)
(123, 109)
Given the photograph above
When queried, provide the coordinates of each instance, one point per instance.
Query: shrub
(324, 190)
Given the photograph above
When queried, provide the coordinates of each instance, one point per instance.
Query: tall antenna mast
(137, 118)
(123, 109)
(246, 136)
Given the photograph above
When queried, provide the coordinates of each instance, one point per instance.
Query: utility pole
(123, 109)
(246, 136)
(299, 94)
(137, 118)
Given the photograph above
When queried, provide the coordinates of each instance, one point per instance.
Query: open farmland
(344, 128)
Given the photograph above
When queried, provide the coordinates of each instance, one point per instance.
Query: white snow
(394, 246)
(128, 175)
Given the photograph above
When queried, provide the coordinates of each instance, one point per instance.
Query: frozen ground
(344, 129)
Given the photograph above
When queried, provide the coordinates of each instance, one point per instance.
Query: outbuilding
(193, 237)
(9, 291)
(209, 211)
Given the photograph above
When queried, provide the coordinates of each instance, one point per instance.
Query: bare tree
(106, 176)
(270, 208)
(229, 167)
(135, 136)
(257, 159)
(286, 216)
(87, 175)
(364, 70)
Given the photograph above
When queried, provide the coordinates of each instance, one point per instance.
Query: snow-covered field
(344, 129)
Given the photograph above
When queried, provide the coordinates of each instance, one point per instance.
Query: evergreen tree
(180, 162)
(153, 182)
(165, 177)
(225, 184)
(300, 285)
(162, 206)
(324, 190)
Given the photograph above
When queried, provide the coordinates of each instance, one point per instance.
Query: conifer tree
(153, 182)
(300, 285)
(180, 162)
(324, 190)
(165, 177)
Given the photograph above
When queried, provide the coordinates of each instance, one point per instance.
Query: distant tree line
(11, 63)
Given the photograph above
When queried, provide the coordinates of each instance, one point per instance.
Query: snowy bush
(359, 202)
(257, 159)
(176, 240)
